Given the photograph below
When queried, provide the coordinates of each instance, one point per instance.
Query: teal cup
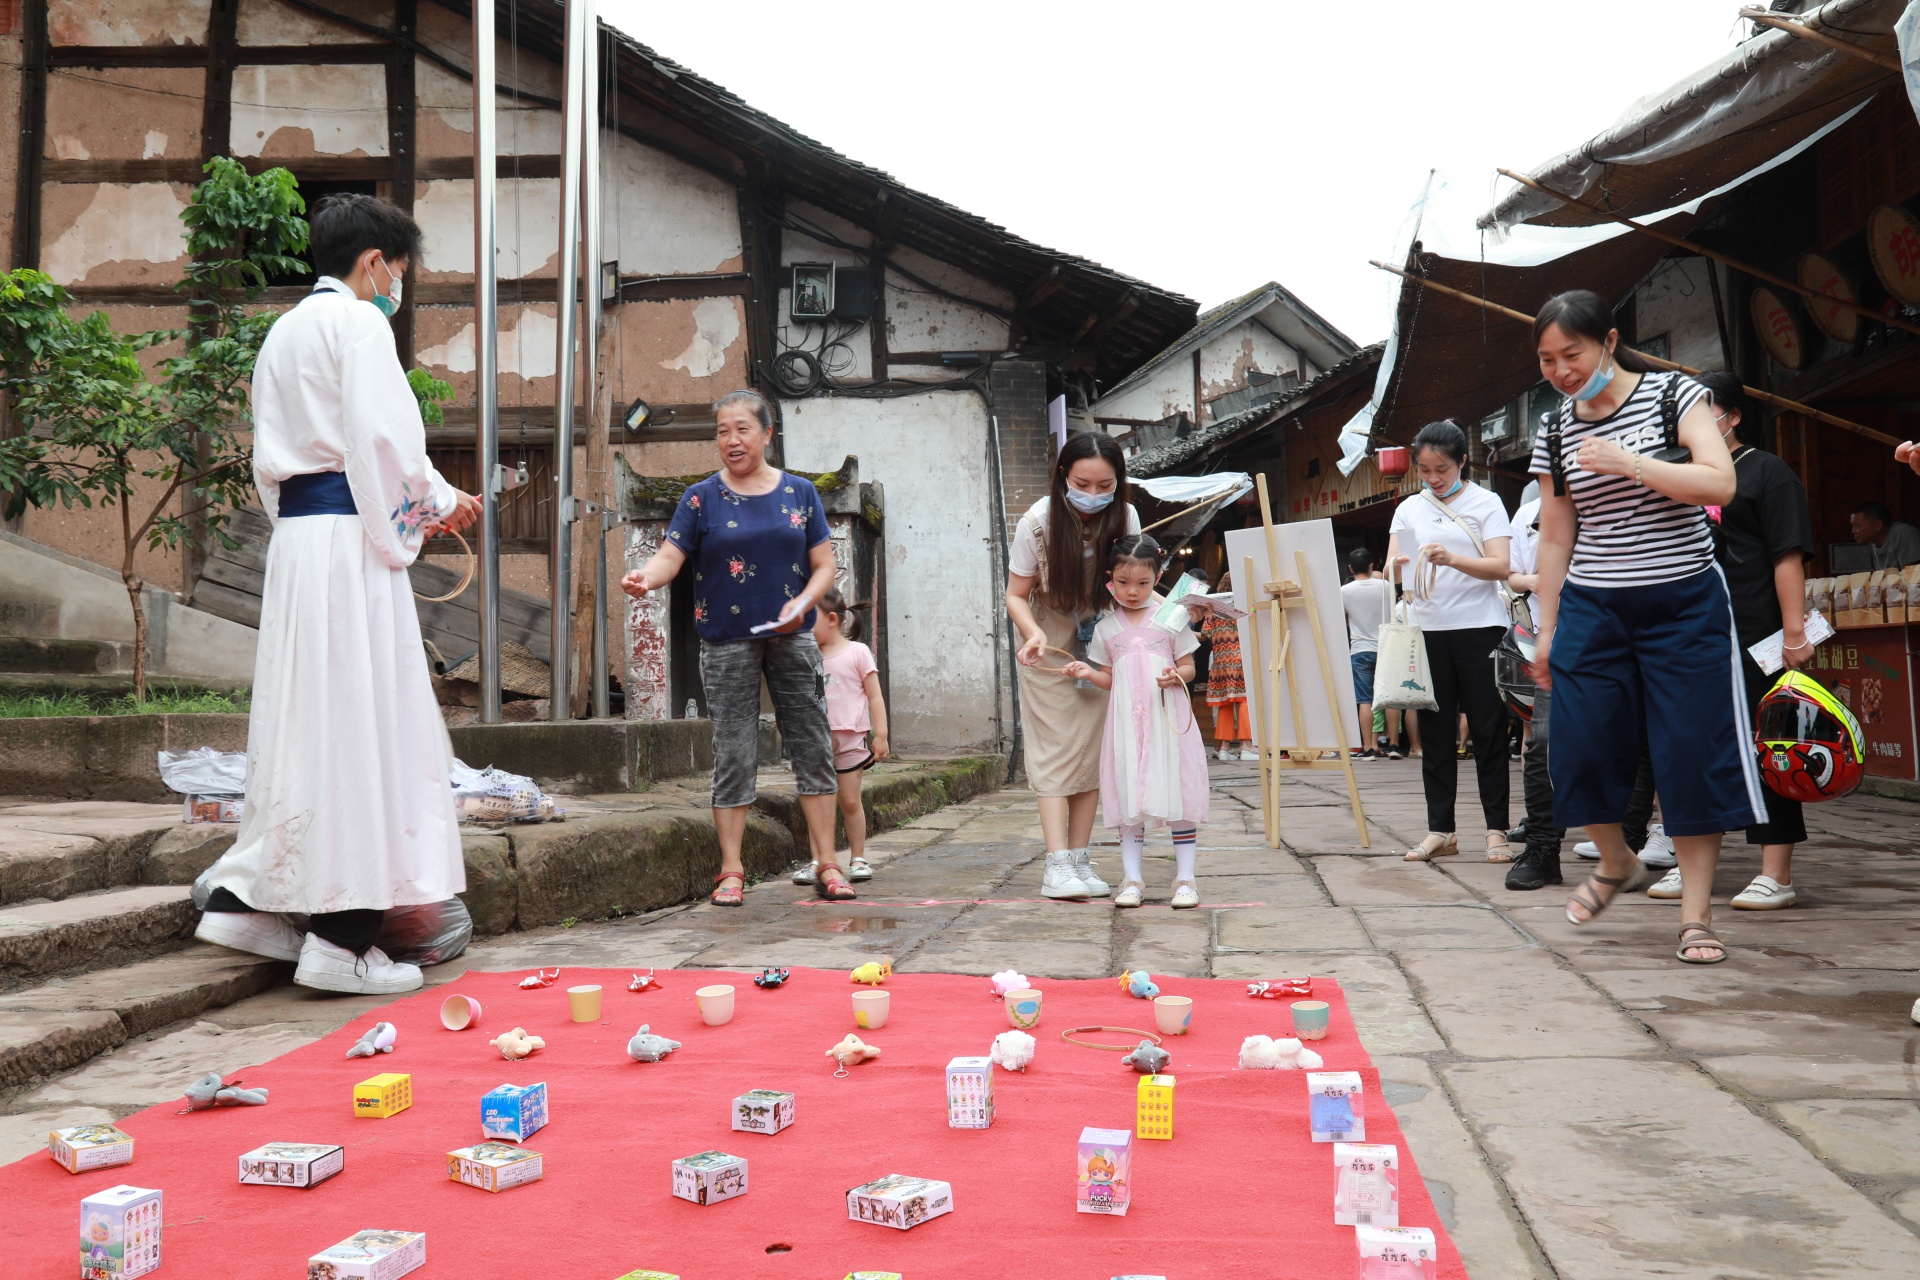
(1310, 1019)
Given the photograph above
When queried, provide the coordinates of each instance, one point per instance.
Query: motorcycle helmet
(1511, 658)
(1810, 746)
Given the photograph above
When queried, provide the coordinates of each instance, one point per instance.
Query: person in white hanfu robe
(349, 810)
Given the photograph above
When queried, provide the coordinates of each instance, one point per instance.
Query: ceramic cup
(585, 1003)
(1310, 1019)
(716, 1005)
(457, 1013)
(1023, 1009)
(1171, 1014)
(870, 1009)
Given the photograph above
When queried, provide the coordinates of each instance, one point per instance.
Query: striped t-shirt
(1629, 536)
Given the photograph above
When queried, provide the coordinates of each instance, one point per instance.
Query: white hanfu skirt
(348, 799)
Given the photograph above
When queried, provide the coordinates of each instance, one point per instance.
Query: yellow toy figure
(874, 972)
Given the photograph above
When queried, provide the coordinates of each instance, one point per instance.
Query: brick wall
(1026, 446)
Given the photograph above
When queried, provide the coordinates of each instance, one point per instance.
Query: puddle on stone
(859, 924)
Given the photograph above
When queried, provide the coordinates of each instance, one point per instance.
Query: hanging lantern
(1392, 461)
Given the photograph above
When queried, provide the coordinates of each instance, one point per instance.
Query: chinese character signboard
(1869, 670)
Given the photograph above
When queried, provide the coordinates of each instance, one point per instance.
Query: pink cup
(457, 1013)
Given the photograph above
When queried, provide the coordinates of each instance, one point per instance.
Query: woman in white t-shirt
(1449, 545)
(1056, 588)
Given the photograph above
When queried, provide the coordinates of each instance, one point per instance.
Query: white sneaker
(1225, 753)
(1185, 895)
(808, 874)
(1658, 851)
(1668, 886)
(859, 869)
(1083, 868)
(1129, 895)
(1915, 1012)
(1765, 894)
(326, 967)
(1061, 880)
(1587, 849)
(257, 933)
(1249, 755)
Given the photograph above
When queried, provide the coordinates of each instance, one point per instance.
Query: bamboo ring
(1070, 1032)
(466, 581)
(1047, 648)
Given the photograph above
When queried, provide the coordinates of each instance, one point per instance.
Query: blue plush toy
(1138, 984)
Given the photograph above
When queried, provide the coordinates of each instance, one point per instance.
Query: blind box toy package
(1367, 1184)
(119, 1233)
(762, 1111)
(1335, 1106)
(649, 1275)
(970, 1093)
(291, 1164)
(387, 1094)
(1106, 1163)
(900, 1201)
(710, 1177)
(1153, 1107)
(1396, 1253)
(89, 1146)
(513, 1112)
(370, 1255)
(495, 1166)
(197, 810)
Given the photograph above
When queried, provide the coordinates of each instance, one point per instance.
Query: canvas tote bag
(1401, 679)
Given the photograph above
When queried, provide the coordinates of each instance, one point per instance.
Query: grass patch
(160, 702)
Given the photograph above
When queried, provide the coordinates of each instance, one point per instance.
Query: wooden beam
(1778, 21)
(731, 284)
(884, 223)
(33, 129)
(1051, 281)
(1128, 304)
(173, 55)
(440, 168)
(400, 146)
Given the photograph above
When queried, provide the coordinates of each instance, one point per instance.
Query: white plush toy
(1262, 1053)
(1007, 980)
(1012, 1050)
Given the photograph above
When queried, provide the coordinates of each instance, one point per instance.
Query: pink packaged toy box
(1367, 1184)
(1396, 1253)
(1106, 1163)
(119, 1233)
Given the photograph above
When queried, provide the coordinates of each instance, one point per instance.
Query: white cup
(716, 1005)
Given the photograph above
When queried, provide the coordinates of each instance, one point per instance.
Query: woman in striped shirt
(1636, 627)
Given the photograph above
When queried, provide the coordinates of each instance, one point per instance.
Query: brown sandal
(1589, 898)
(834, 890)
(1701, 937)
(728, 897)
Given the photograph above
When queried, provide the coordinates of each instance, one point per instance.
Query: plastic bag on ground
(430, 934)
(204, 772)
(494, 795)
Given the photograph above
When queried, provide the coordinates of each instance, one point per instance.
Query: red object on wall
(1391, 460)
(1869, 669)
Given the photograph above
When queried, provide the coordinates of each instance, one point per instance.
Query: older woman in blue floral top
(757, 537)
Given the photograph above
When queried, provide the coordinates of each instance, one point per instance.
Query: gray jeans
(731, 673)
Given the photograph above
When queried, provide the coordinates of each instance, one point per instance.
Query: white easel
(1278, 597)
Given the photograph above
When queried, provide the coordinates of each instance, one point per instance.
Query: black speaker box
(853, 289)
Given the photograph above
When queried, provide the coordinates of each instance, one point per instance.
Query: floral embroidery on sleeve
(413, 515)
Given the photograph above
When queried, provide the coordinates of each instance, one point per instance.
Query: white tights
(1133, 840)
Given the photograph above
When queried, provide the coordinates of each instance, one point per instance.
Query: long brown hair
(1068, 587)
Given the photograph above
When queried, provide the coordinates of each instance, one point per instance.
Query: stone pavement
(1582, 1105)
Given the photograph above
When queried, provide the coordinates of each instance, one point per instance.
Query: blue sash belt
(321, 493)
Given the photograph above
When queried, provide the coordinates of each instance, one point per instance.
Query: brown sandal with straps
(1589, 898)
(1701, 937)
(728, 897)
(834, 890)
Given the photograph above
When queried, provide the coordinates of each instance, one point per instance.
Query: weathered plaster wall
(292, 111)
(1677, 300)
(661, 216)
(9, 141)
(1225, 360)
(444, 123)
(529, 349)
(113, 233)
(269, 22)
(127, 22)
(1168, 390)
(942, 600)
(526, 228)
(129, 113)
(921, 320)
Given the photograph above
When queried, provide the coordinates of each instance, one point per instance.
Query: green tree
(94, 424)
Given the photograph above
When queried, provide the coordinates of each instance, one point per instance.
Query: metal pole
(590, 336)
(486, 344)
(579, 16)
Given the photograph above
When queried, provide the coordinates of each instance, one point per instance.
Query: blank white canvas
(1315, 537)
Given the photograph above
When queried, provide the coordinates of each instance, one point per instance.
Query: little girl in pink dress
(1153, 764)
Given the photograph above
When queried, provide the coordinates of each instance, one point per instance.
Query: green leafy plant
(432, 395)
(96, 425)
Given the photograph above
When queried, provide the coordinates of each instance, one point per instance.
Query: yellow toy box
(1153, 1109)
(383, 1095)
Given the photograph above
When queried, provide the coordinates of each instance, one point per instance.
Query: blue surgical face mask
(1457, 486)
(389, 303)
(1089, 503)
(1598, 382)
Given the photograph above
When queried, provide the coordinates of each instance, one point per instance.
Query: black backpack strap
(1556, 466)
(1670, 411)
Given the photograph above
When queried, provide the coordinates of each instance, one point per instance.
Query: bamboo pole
(1766, 397)
(1176, 515)
(1766, 19)
(1780, 281)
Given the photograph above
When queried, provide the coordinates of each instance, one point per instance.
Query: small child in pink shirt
(854, 706)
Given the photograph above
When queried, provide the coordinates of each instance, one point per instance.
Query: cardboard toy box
(119, 1233)
(900, 1201)
(1396, 1251)
(1336, 1106)
(970, 1093)
(1106, 1162)
(89, 1146)
(495, 1166)
(710, 1177)
(1366, 1190)
(370, 1255)
(762, 1111)
(513, 1112)
(291, 1164)
(1153, 1107)
(198, 810)
(649, 1275)
(874, 1275)
(378, 1097)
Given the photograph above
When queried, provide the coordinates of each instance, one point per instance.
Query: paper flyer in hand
(1767, 655)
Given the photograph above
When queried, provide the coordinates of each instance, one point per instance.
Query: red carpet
(1239, 1192)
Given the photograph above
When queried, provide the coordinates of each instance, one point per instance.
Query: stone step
(27, 655)
(93, 931)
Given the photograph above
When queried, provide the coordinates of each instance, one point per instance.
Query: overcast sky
(1204, 146)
